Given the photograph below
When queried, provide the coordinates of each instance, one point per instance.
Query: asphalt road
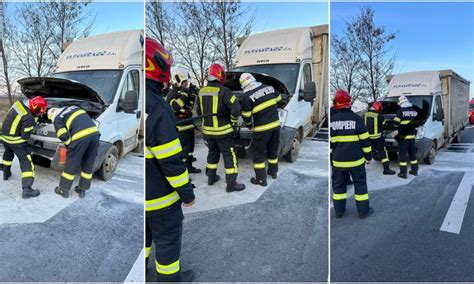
(422, 228)
(50, 238)
(278, 233)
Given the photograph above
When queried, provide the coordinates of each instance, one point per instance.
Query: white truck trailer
(102, 74)
(295, 62)
(440, 97)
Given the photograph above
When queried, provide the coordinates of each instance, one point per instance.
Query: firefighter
(182, 101)
(374, 122)
(260, 113)
(76, 129)
(350, 151)
(167, 181)
(407, 121)
(16, 130)
(220, 109)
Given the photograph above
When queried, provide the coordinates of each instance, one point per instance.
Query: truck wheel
(109, 165)
(429, 160)
(295, 148)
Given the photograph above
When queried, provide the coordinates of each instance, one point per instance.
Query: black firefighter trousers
(340, 178)
(226, 147)
(165, 230)
(186, 138)
(407, 149)
(81, 155)
(265, 148)
(26, 164)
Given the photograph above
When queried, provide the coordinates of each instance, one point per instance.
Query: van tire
(429, 159)
(292, 154)
(109, 165)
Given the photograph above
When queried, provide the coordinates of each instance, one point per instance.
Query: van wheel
(429, 160)
(109, 165)
(295, 148)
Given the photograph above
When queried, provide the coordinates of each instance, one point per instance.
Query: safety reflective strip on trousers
(162, 202)
(168, 269)
(7, 163)
(147, 252)
(166, 150)
(273, 161)
(268, 126)
(339, 196)
(259, 165)
(67, 176)
(211, 166)
(350, 164)
(361, 197)
(86, 175)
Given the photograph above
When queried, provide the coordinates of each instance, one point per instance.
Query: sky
(430, 36)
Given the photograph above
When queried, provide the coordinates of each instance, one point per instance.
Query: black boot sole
(211, 181)
(64, 194)
(389, 173)
(370, 212)
(258, 182)
(413, 173)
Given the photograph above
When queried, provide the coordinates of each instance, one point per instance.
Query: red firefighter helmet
(342, 99)
(216, 72)
(38, 105)
(158, 61)
(377, 107)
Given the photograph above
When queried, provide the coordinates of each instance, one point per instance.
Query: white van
(295, 62)
(440, 97)
(103, 75)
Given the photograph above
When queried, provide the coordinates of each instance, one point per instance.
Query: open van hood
(232, 81)
(58, 88)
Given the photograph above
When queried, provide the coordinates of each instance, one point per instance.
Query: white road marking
(136, 274)
(453, 221)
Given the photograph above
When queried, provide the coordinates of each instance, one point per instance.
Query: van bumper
(423, 147)
(48, 155)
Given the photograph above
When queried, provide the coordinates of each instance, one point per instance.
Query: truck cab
(104, 75)
(294, 62)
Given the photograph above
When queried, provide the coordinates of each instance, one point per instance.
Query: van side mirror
(129, 103)
(309, 92)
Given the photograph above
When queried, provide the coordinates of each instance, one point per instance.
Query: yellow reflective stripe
(414, 162)
(364, 136)
(73, 116)
(147, 252)
(403, 164)
(232, 99)
(367, 149)
(339, 196)
(234, 158)
(15, 123)
(345, 138)
(215, 104)
(27, 174)
(179, 180)
(277, 99)
(28, 129)
(61, 132)
(407, 136)
(268, 126)
(67, 176)
(84, 133)
(178, 101)
(31, 162)
(259, 165)
(12, 140)
(230, 171)
(361, 197)
(273, 161)
(19, 108)
(211, 166)
(246, 113)
(214, 132)
(7, 163)
(385, 160)
(149, 154)
(224, 127)
(168, 269)
(375, 136)
(167, 150)
(397, 119)
(209, 91)
(264, 105)
(86, 175)
(405, 122)
(186, 127)
(162, 202)
(350, 164)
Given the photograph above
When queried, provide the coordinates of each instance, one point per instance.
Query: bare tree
(229, 26)
(157, 21)
(6, 77)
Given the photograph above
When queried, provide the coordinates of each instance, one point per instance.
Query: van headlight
(282, 114)
(420, 132)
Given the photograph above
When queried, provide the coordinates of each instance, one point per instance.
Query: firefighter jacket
(407, 121)
(350, 144)
(18, 124)
(167, 180)
(222, 109)
(374, 122)
(181, 104)
(260, 104)
(73, 124)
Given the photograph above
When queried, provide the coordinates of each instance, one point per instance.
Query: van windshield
(286, 73)
(104, 82)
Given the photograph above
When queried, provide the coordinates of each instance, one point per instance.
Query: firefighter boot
(7, 173)
(80, 191)
(191, 169)
(258, 181)
(29, 192)
(413, 172)
(273, 175)
(367, 214)
(187, 276)
(235, 186)
(62, 192)
(212, 179)
(402, 175)
(387, 170)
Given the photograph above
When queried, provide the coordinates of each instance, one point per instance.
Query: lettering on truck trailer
(409, 85)
(267, 49)
(343, 125)
(91, 54)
